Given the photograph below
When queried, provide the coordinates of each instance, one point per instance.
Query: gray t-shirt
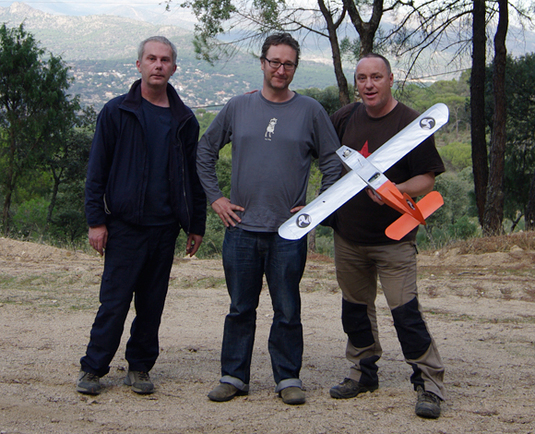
(272, 147)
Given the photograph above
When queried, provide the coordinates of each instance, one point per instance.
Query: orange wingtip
(430, 203)
(406, 223)
(401, 227)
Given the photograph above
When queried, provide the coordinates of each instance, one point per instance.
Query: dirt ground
(479, 302)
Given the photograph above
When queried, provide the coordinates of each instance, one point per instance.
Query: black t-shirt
(361, 220)
(158, 125)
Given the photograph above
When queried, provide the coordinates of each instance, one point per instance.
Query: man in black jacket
(141, 189)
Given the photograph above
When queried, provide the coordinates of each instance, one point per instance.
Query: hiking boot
(428, 404)
(140, 382)
(225, 392)
(292, 395)
(88, 383)
(350, 388)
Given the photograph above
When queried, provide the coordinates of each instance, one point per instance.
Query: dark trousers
(137, 264)
(247, 257)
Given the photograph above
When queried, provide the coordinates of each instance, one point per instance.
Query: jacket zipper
(184, 172)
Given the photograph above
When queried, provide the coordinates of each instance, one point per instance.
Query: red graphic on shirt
(364, 151)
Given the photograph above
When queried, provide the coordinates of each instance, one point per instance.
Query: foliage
(457, 154)
(520, 149)
(68, 224)
(204, 118)
(68, 164)
(215, 230)
(454, 93)
(32, 184)
(34, 108)
(29, 220)
(225, 26)
(456, 219)
(224, 169)
(429, 25)
(452, 139)
(520, 134)
(327, 97)
(324, 241)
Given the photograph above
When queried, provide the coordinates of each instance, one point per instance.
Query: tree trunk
(493, 216)
(343, 89)
(366, 38)
(477, 108)
(9, 186)
(366, 30)
(5, 213)
(529, 215)
(312, 233)
(312, 241)
(54, 196)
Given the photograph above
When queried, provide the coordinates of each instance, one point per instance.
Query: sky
(85, 6)
(153, 11)
(153, 8)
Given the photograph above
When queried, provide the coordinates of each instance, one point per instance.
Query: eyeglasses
(275, 64)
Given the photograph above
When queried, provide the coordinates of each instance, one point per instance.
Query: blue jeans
(137, 264)
(247, 256)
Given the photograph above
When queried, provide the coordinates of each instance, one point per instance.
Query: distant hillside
(95, 37)
(101, 49)
(142, 10)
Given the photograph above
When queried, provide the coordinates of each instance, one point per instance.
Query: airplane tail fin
(406, 223)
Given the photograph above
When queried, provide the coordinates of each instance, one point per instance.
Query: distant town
(96, 84)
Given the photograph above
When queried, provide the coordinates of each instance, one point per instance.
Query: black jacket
(118, 165)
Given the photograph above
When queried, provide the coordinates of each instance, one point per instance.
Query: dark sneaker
(292, 395)
(350, 388)
(428, 404)
(88, 383)
(225, 392)
(140, 382)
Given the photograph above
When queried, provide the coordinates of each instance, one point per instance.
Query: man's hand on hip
(225, 210)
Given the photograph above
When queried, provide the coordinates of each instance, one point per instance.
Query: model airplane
(369, 172)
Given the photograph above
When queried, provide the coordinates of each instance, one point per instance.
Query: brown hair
(278, 39)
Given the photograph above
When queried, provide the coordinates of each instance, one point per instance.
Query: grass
(76, 286)
(502, 243)
(204, 282)
(48, 291)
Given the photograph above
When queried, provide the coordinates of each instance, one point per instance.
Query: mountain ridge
(101, 51)
(66, 35)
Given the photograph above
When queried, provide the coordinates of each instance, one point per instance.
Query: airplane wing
(409, 137)
(322, 207)
(348, 186)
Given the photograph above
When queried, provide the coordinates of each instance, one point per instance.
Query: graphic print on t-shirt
(270, 128)
(364, 151)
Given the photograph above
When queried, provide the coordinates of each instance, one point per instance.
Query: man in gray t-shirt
(274, 134)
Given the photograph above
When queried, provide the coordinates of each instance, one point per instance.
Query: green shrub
(458, 154)
(29, 219)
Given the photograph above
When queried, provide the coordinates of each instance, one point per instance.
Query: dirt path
(479, 307)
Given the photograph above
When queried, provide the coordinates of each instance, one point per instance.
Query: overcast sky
(154, 11)
(146, 10)
(85, 4)
(90, 7)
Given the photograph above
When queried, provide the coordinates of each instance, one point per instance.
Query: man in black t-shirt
(363, 252)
